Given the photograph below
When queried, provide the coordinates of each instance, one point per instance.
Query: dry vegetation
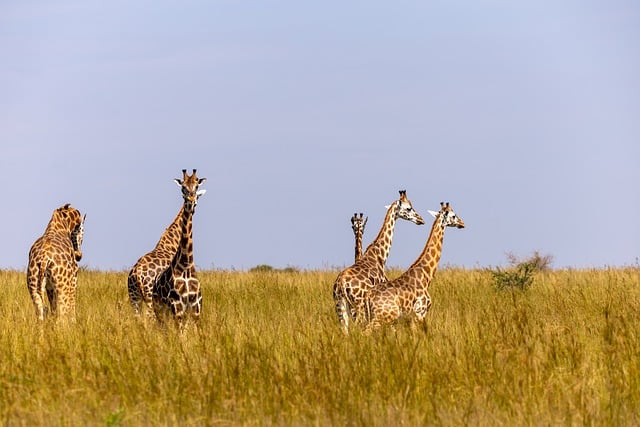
(563, 351)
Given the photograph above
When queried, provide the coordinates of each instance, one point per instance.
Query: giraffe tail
(36, 283)
(42, 274)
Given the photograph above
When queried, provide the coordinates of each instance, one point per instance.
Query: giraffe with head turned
(408, 294)
(357, 225)
(150, 266)
(177, 291)
(354, 283)
(53, 264)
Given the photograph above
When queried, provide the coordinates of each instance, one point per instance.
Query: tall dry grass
(269, 351)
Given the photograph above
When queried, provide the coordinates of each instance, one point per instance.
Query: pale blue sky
(524, 115)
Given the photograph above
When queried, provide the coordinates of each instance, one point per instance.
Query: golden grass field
(269, 351)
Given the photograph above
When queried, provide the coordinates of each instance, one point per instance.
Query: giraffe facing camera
(358, 224)
(177, 291)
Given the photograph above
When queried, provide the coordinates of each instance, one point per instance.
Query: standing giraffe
(150, 266)
(53, 264)
(177, 290)
(408, 294)
(357, 225)
(353, 283)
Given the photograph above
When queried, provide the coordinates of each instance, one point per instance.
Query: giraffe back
(404, 296)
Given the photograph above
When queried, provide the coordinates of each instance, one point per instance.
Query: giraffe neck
(426, 265)
(358, 246)
(380, 247)
(57, 224)
(183, 260)
(170, 239)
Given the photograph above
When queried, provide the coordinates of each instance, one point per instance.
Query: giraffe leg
(37, 295)
(342, 307)
(343, 315)
(71, 297)
(135, 295)
(36, 283)
(179, 313)
(52, 296)
(145, 297)
(421, 307)
(372, 325)
(195, 304)
(161, 311)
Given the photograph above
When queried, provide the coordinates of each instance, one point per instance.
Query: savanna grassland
(565, 351)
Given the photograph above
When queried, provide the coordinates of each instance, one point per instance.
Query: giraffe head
(190, 192)
(406, 211)
(77, 235)
(358, 223)
(447, 216)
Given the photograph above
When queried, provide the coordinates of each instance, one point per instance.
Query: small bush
(265, 268)
(537, 260)
(518, 277)
(520, 274)
(262, 268)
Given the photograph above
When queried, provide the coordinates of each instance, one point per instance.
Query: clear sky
(525, 115)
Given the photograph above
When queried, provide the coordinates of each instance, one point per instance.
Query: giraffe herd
(163, 283)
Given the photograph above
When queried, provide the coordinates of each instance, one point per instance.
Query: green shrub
(262, 268)
(520, 274)
(518, 277)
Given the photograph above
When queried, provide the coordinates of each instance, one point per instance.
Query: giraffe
(177, 290)
(408, 294)
(357, 225)
(53, 264)
(353, 283)
(150, 266)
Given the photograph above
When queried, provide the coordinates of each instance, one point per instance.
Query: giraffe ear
(177, 181)
(200, 192)
(433, 213)
(387, 207)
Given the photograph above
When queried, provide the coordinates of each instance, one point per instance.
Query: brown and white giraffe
(357, 225)
(353, 284)
(53, 264)
(177, 291)
(408, 294)
(150, 266)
